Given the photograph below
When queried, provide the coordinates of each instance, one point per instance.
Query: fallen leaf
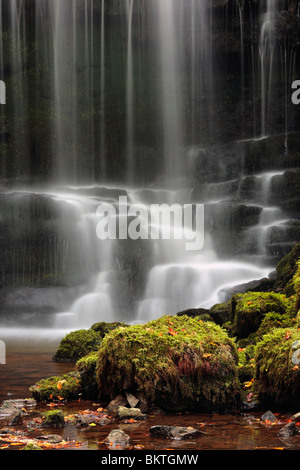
(172, 332)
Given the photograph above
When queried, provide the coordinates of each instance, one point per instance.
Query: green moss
(53, 419)
(104, 327)
(175, 362)
(277, 378)
(221, 313)
(86, 367)
(273, 320)
(286, 269)
(67, 387)
(79, 343)
(32, 446)
(250, 308)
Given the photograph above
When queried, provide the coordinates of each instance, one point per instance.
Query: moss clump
(32, 446)
(221, 313)
(53, 419)
(246, 363)
(176, 362)
(86, 367)
(79, 343)
(286, 269)
(76, 345)
(250, 308)
(277, 377)
(66, 387)
(104, 327)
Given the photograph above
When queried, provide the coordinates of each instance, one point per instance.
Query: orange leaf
(59, 383)
(206, 355)
(172, 332)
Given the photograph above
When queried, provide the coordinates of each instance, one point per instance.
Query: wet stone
(117, 437)
(296, 345)
(135, 413)
(288, 430)
(296, 357)
(268, 416)
(178, 433)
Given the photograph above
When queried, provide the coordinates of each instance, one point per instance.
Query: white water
(176, 279)
(266, 49)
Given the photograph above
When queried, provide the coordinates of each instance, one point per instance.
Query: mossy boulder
(66, 387)
(76, 345)
(53, 419)
(277, 373)
(175, 362)
(79, 343)
(286, 269)
(249, 310)
(86, 367)
(105, 327)
(221, 313)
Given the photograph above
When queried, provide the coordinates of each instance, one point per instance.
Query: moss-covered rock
(32, 446)
(176, 362)
(102, 328)
(286, 269)
(86, 367)
(66, 387)
(76, 345)
(221, 313)
(79, 343)
(250, 308)
(277, 373)
(53, 419)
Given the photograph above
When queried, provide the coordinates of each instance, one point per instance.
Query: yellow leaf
(248, 384)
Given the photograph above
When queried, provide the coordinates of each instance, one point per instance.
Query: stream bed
(236, 431)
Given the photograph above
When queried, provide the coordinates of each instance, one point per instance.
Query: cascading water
(267, 50)
(146, 123)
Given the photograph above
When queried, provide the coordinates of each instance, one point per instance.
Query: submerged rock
(12, 411)
(268, 416)
(178, 433)
(288, 430)
(135, 413)
(117, 437)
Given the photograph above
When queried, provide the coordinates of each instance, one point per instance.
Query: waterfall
(170, 88)
(129, 97)
(146, 100)
(266, 49)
